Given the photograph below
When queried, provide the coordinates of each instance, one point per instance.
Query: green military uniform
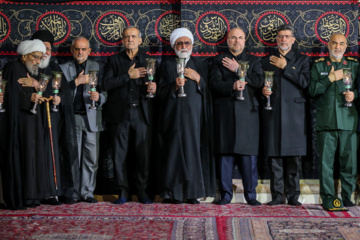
(336, 129)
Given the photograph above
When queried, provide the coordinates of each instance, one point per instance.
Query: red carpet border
(168, 221)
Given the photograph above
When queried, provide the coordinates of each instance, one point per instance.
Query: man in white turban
(26, 179)
(185, 131)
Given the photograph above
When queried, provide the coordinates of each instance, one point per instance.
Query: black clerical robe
(25, 179)
(187, 166)
(63, 134)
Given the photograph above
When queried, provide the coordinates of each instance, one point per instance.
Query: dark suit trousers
(134, 133)
(285, 169)
(248, 169)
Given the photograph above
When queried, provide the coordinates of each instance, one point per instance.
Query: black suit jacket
(115, 82)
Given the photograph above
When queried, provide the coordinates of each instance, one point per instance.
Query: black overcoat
(284, 127)
(236, 122)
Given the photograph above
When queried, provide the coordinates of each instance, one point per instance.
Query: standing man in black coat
(187, 168)
(63, 127)
(26, 176)
(236, 122)
(129, 114)
(284, 126)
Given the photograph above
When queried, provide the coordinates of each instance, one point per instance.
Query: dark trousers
(133, 132)
(346, 142)
(248, 168)
(285, 171)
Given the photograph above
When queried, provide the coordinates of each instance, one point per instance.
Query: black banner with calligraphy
(102, 22)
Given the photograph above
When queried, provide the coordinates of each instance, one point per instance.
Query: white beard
(45, 62)
(31, 69)
(183, 53)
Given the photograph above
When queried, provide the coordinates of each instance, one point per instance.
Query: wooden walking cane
(51, 138)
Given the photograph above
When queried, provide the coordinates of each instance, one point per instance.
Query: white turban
(29, 46)
(178, 33)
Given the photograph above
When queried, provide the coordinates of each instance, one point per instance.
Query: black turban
(44, 35)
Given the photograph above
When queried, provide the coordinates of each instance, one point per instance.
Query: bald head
(236, 41)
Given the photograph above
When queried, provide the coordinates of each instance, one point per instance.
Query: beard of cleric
(33, 69)
(183, 53)
(45, 61)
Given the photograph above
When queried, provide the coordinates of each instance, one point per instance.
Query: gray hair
(286, 27)
(78, 38)
(132, 26)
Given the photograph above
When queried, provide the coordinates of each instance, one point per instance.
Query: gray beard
(31, 70)
(336, 56)
(45, 62)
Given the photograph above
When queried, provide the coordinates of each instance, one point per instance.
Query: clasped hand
(239, 85)
(266, 92)
(335, 75)
(279, 62)
(151, 87)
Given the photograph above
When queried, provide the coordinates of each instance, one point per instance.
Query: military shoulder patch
(352, 59)
(320, 60)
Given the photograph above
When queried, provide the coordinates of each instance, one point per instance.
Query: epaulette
(352, 59)
(320, 60)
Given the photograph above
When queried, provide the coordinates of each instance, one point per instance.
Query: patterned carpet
(167, 221)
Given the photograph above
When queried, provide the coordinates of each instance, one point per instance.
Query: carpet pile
(184, 221)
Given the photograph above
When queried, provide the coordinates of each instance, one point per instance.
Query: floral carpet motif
(107, 227)
(132, 220)
(204, 209)
(266, 228)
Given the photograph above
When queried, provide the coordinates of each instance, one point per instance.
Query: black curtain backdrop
(102, 22)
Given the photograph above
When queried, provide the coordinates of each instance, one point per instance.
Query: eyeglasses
(183, 43)
(284, 36)
(36, 57)
(82, 49)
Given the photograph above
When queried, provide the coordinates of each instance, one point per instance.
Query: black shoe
(66, 200)
(223, 201)
(90, 200)
(120, 200)
(145, 200)
(51, 201)
(254, 202)
(348, 203)
(167, 201)
(294, 202)
(275, 202)
(171, 201)
(193, 201)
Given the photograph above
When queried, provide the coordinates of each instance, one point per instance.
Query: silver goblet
(56, 83)
(43, 82)
(180, 67)
(93, 80)
(150, 70)
(269, 80)
(347, 79)
(242, 71)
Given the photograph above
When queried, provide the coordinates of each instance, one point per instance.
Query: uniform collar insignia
(328, 63)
